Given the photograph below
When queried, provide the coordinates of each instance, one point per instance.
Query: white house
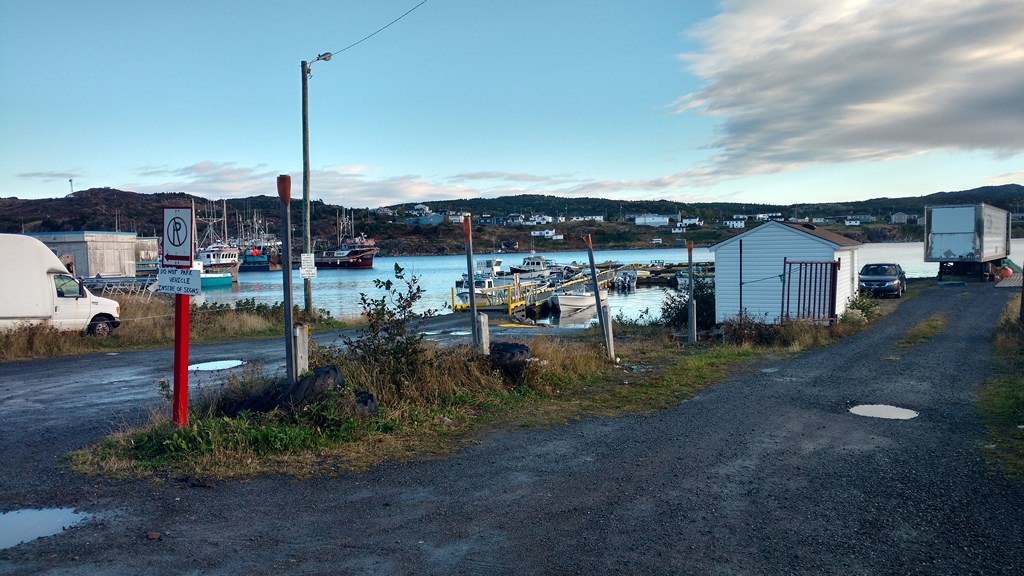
(549, 234)
(785, 271)
(735, 224)
(651, 220)
(684, 222)
(851, 222)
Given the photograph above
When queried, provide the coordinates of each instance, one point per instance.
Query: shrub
(675, 310)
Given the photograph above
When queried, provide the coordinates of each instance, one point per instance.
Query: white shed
(785, 271)
(93, 253)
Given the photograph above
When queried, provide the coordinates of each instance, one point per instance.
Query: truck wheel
(100, 328)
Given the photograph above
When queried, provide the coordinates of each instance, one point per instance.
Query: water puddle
(460, 333)
(218, 365)
(883, 411)
(26, 525)
(769, 370)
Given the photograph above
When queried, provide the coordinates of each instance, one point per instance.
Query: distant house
(686, 222)
(548, 234)
(457, 217)
(652, 220)
(514, 220)
(851, 222)
(735, 224)
(781, 271)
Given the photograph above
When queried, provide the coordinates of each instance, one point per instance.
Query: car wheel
(100, 328)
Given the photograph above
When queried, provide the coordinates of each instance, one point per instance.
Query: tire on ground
(510, 358)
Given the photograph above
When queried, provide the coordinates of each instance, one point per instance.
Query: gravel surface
(768, 473)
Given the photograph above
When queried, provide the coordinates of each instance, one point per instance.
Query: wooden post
(467, 228)
(601, 319)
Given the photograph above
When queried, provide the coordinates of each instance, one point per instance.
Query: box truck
(36, 288)
(966, 240)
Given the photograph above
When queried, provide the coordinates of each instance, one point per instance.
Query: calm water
(338, 290)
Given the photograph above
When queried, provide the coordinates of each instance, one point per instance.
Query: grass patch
(149, 323)
(923, 331)
(432, 400)
(1001, 397)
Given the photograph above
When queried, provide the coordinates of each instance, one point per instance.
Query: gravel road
(768, 473)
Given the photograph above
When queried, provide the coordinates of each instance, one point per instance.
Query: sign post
(177, 277)
(284, 191)
(691, 304)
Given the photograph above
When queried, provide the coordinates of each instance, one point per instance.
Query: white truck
(36, 288)
(966, 240)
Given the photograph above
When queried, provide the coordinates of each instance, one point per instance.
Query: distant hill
(102, 209)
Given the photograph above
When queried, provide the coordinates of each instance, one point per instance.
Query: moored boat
(351, 251)
(576, 298)
(533, 266)
(218, 259)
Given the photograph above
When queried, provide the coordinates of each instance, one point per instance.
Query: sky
(748, 101)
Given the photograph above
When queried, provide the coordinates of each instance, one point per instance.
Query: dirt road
(768, 473)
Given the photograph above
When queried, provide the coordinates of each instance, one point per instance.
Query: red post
(179, 411)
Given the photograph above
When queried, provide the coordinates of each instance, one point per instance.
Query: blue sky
(753, 101)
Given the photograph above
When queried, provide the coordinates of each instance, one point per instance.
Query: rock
(366, 404)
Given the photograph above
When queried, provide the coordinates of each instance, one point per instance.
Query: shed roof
(837, 240)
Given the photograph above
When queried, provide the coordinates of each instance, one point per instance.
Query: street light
(307, 243)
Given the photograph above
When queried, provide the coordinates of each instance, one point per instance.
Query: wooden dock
(514, 298)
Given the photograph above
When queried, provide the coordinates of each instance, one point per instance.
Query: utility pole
(307, 243)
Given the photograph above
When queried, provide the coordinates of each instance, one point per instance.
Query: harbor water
(338, 291)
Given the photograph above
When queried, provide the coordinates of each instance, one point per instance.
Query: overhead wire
(379, 30)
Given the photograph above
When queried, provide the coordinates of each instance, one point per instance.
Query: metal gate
(809, 290)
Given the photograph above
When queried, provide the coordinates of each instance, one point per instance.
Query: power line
(381, 29)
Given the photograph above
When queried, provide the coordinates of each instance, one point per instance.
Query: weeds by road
(1001, 397)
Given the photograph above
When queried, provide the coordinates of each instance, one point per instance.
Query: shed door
(809, 290)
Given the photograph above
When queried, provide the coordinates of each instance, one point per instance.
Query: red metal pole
(179, 410)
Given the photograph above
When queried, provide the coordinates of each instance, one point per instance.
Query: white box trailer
(966, 239)
(36, 288)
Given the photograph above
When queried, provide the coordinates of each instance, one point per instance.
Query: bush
(868, 307)
(675, 310)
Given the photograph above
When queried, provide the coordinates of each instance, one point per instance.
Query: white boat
(625, 280)
(481, 284)
(576, 298)
(533, 266)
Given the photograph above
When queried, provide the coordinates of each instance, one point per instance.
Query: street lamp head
(325, 56)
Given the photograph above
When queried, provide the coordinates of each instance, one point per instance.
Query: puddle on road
(883, 411)
(769, 370)
(218, 365)
(460, 333)
(27, 525)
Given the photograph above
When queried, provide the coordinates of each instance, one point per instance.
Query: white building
(92, 253)
(548, 234)
(735, 224)
(684, 222)
(851, 222)
(652, 220)
(785, 271)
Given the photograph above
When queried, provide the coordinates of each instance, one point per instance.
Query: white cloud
(362, 186)
(797, 82)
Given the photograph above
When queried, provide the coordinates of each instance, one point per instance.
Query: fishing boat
(533, 266)
(214, 253)
(576, 298)
(218, 259)
(625, 280)
(211, 279)
(481, 284)
(351, 252)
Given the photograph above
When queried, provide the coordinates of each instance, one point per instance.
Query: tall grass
(1001, 397)
(149, 322)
